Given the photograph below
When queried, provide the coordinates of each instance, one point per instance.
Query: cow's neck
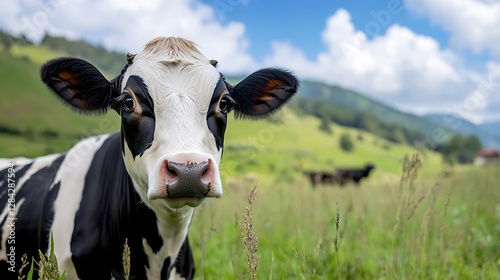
(173, 228)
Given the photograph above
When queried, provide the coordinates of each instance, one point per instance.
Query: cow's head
(173, 105)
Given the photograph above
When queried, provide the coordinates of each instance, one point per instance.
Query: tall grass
(249, 238)
(444, 226)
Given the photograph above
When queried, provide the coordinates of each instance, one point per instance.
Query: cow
(355, 175)
(142, 184)
(317, 178)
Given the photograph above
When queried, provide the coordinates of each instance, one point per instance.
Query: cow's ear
(263, 92)
(79, 84)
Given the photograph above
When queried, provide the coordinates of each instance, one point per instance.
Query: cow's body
(139, 185)
(317, 178)
(346, 175)
(340, 176)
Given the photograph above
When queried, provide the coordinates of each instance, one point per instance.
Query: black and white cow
(141, 184)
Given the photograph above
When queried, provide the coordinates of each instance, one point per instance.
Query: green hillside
(34, 122)
(360, 103)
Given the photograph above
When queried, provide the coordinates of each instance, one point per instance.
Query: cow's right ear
(79, 84)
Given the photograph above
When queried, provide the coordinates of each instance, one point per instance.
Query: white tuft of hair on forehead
(174, 48)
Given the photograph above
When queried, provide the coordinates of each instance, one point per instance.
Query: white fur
(68, 200)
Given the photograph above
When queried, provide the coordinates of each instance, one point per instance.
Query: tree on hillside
(346, 143)
(461, 149)
(325, 125)
(8, 40)
(472, 145)
(366, 121)
(395, 134)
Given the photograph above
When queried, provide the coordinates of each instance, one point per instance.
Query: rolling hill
(358, 102)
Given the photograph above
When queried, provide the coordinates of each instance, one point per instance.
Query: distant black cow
(349, 174)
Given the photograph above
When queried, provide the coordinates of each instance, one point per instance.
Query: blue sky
(419, 56)
(300, 21)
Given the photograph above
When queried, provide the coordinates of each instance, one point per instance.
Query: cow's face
(173, 105)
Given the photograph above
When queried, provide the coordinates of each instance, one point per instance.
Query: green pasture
(416, 227)
(287, 145)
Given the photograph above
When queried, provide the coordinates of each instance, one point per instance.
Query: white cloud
(399, 67)
(473, 24)
(126, 26)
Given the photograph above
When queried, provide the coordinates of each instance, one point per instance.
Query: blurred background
(402, 85)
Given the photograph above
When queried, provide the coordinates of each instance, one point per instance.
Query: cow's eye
(225, 104)
(129, 104)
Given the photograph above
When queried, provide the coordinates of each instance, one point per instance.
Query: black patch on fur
(165, 270)
(138, 131)
(184, 263)
(35, 215)
(217, 119)
(110, 212)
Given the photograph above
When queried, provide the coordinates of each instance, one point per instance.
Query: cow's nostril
(172, 171)
(207, 173)
(169, 172)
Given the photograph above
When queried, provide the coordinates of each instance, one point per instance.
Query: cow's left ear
(79, 84)
(263, 92)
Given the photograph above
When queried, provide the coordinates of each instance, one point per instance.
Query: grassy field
(418, 227)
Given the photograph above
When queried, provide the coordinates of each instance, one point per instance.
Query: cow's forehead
(174, 66)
